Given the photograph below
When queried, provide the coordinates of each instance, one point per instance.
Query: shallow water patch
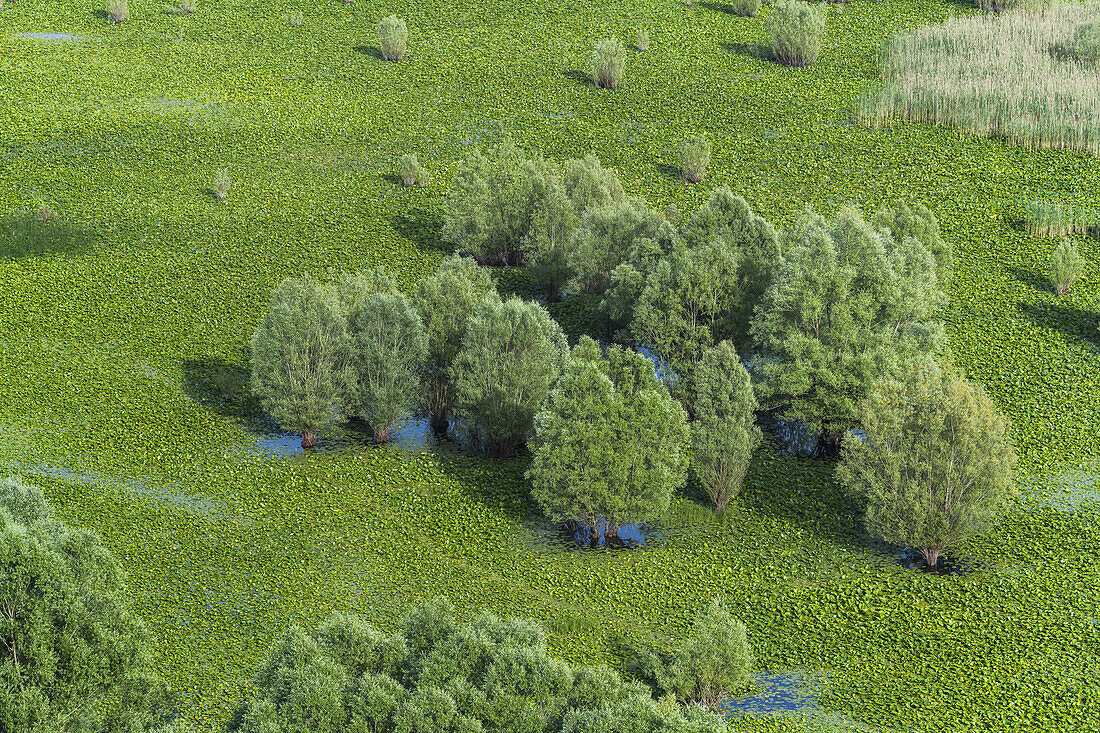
(53, 36)
(781, 694)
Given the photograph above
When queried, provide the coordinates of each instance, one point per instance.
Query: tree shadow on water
(752, 50)
(1081, 324)
(28, 235)
(421, 227)
(214, 382)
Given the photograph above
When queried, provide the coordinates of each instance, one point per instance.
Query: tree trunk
(439, 422)
(931, 556)
(381, 435)
(828, 445)
(309, 439)
(611, 534)
(593, 536)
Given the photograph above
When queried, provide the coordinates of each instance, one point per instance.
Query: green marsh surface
(116, 315)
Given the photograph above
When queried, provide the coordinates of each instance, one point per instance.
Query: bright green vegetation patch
(1030, 78)
(109, 349)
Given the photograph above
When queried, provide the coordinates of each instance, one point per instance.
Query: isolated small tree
(724, 432)
(393, 34)
(745, 8)
(117, 11)
(607, 63)
(409, 169)
(388, 357)
(74, 656)
(445, 301)
(605, 239)
(796, 29)
(694, 159)
(511, 356)
(936, 463)
(221, 184)
(714, 660)
(1065, 265)
(610, 442)
(300, 355)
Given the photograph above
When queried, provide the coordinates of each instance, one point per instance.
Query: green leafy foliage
(745, 8)
(917, 220)
(796, 29)
(711, 662)
(1086, 42)
(75, 656)
(724, 433)
(936, 465)
(607, 63)
(849, 306)
(605, 239)
(546, 245)
(511, 355)
(694, 158)
(610, 443)
(393, 35)
(300, 357)
(1065, 265)
(438, 676)
(408, 167)
(388, 352)
(445, 301)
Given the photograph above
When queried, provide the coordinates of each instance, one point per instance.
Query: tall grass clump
(1065, 266)
(694, 158)
(295, 19)
(220, 186)
(607, 63)
(393, 35)
(641, 40)
(1058, 219)
(1006, 75)
(117, 11)
(1086, 42)
(409, 169)
(745, 8)
(796, 29)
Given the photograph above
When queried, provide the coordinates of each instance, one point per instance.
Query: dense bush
(388, 353)
(1065, 265)
(610, 443)
(918, 221)
(796, 29)
(445, 301)
(711, 662)
(936, 463)
(408, 167)
(510, 358)
(300, 357)
(438, 676)
(605, 239)
(74, 657)
(849, 306)
(591, 186)
(694, 159)
(552, 223)
(607, 63)
(117, 11)
(724, 432)
(745, 8)
(393, 35)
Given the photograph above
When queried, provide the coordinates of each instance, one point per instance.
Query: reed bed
(1015, 75)
(1056, 219)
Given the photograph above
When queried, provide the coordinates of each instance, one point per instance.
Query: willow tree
(936, 464)
(610, 443)
(445, 301)
(849, 306)
(301, 357)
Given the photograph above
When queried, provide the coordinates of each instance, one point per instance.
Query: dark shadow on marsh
(671, 171)
(752, 50)
(724, 8)
(1075, 322)
(28, 236)
(372, 51)
(420, 226)
(221, 386)
(579, 76)
(1034, 281)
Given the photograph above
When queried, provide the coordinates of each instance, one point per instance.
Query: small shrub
(393, 35)
(745, 8)
(45, 213)
(423, 179)
(641, 41)
(694, 159)
(295, 19)
(409, 169)
(221, 183)
(185, 7)
(607, 63)
(1086, 42)
(796, 29)
(117, 11)
(1065, 266)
